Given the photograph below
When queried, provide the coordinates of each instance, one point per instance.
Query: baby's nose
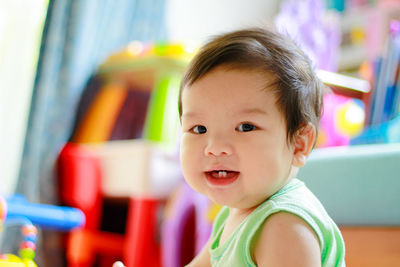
(218, 146)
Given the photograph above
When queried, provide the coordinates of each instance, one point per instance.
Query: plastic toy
(46, 216)
(85, 170)
(102, 114)
(162, 116)
(343, 119)
(186, 226)
(156, 69)
(17, 210)
(83, 174)
(137, 50)
(142, 245)
(27, 246)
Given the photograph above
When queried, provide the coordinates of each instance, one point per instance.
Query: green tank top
(294, 198)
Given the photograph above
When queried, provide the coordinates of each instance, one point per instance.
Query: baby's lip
(221, 178)
(220, 168)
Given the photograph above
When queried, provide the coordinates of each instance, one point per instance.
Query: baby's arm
(203, 258)
(286, 240)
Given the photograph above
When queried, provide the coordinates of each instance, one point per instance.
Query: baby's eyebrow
(245, 111)
(189, 115)
(256, 111)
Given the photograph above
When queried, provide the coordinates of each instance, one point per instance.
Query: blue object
(339, 5)
(387, 132)
(384, 99)
(43, 215)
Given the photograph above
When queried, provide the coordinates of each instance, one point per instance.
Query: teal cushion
(358, 185)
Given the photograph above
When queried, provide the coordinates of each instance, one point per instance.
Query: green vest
(294, 198)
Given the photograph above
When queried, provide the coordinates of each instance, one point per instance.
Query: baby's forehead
(243, 85)
(226, 84)
(229, 88)
(269, 79)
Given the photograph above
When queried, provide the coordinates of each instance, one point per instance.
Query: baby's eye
(246, 127)
(199, 129)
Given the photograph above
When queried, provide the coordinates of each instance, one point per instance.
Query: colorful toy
(17, 210)
(186, 226)
(82, 178)
(162, 116)
(98, 123)
(142, 245)
(343, 119)
(138, 50)
(152, 69)
(46, 216)
(27, 246)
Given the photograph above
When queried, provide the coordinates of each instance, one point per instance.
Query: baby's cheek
(186, 157)
(190, 170)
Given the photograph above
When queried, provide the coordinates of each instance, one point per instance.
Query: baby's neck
(240, 213)
(235, 218)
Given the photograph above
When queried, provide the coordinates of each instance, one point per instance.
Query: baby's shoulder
(286, 240)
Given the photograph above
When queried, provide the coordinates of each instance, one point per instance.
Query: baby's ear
(303, 144)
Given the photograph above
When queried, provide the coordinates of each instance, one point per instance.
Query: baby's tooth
(222, 173)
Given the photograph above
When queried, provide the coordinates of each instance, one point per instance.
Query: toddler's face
(233, 146)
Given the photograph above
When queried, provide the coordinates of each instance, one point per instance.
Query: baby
(250, 105)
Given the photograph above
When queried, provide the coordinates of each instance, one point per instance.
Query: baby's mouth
(221, 178)
(222, 174)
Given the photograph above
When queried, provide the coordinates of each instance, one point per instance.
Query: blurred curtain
(78, 36)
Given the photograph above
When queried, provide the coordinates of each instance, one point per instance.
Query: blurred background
(88, 120)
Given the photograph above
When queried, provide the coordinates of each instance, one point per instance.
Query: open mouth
(221, 177)
(222, 174)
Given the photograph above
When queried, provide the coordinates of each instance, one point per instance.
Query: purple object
(180, 209)
(315, 32)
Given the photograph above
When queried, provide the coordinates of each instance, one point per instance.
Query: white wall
(21, 23)
(197, 20)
